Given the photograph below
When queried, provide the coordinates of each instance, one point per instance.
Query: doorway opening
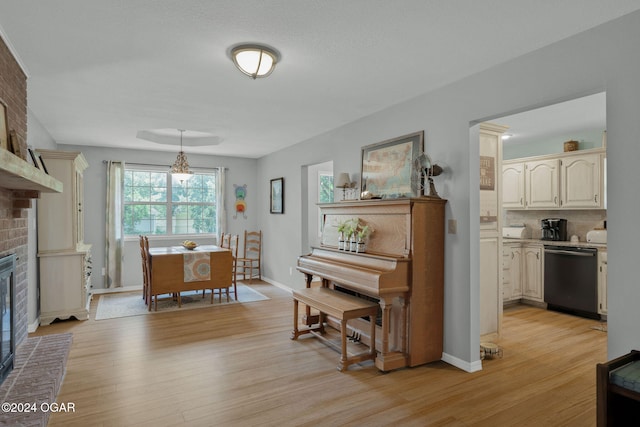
(533, 138)
(319, 189)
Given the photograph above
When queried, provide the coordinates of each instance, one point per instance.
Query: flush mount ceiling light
(255, 60)
(180, 169)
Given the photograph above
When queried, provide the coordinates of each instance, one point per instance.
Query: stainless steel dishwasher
(571, 279)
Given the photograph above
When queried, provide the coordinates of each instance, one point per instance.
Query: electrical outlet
(452, 226)
(104, 271)
(290, 271)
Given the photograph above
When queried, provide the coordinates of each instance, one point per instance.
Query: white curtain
(115, 233)
(221, 210)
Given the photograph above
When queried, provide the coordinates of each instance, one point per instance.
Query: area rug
(126, 304)
(40, 364)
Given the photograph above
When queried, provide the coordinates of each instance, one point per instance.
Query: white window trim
(168, 203)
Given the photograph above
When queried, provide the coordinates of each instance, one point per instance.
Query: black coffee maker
(554, 229)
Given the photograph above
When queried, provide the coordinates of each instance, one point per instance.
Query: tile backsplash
(579, 222)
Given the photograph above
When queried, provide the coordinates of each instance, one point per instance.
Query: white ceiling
(102, 70)
(577, 116)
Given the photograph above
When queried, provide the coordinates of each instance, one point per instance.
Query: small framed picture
(35, 158)
(14, 143)
(277, 196)
(4, 128)
(42, 165)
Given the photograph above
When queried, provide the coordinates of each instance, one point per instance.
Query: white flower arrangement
(353, 227)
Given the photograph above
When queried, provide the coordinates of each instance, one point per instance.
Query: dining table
(176, 269)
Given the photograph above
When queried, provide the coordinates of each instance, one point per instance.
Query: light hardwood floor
(235, 365)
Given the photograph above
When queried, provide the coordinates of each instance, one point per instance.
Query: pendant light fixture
(180, 169)
(255, 60)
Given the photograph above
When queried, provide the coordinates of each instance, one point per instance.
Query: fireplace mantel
(17, 174)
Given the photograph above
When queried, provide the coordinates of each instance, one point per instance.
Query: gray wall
(602, 59)
(552, 145)
(37, 137)
(240, 171)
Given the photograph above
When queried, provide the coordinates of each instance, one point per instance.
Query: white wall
(602, 59)
(240, 171)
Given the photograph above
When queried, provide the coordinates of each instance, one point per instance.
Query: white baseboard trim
(32, 327)
(277, 284)
(461, 364)
(115, 290)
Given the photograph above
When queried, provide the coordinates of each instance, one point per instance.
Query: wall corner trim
(14, 52)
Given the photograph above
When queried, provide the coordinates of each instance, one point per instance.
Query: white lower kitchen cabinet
(533, 272)
(511, 272)
(602, 283)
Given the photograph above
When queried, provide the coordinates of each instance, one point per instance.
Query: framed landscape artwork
(277, 196)
(387, 167)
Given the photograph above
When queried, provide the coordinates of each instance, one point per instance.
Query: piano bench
(342, 307)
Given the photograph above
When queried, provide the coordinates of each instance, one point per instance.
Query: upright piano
(402, 269)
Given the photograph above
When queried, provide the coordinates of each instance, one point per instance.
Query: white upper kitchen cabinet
(542, 178)
(569, 180)
(513, 196)
(580, 182)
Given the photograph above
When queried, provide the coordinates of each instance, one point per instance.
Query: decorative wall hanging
(487, 173)
(241, 205)
(387, 167)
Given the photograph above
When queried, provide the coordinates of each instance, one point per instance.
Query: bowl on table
(191, 245)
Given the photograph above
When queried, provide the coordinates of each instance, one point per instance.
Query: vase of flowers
(352, 235)
(346, 229)
(353, 243)
(363, 233)
(340, 240)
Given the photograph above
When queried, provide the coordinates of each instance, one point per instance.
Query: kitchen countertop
(599, 246)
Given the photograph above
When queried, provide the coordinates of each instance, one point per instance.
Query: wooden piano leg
(307, 311)
(385, 359)
(321, 318)
(405, 326)
(386, 315)
(294, 334)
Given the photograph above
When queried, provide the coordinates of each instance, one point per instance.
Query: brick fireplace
(13, 240)
(14, 201)
(7, 309)
(20, 182)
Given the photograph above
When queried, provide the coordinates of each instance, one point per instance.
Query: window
(155, 204)
(325, 188)
(325, 194)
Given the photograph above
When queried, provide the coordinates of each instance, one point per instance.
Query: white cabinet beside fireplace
(64, 257)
